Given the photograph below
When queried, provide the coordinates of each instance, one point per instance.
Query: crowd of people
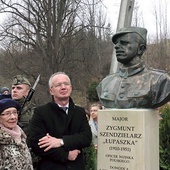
(51, 136)
(20, 122)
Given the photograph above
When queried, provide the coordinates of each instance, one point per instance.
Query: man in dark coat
(59, 130)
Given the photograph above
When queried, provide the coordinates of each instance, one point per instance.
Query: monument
(128, 132)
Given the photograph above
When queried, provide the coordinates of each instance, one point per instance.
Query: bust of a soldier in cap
(134, 85)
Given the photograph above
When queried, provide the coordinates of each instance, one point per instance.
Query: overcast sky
(146, 8)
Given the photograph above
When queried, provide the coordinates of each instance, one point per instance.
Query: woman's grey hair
(57, 73)
(96, 104)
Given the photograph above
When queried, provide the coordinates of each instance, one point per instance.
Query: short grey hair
(57, 73)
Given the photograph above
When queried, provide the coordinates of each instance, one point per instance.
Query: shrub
(92, 93)
(164, 135)
(90, 157)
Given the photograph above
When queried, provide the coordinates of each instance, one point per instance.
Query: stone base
(128, 139)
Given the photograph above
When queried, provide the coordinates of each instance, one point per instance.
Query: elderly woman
(14, 153)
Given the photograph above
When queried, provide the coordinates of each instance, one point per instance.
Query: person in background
(93, 121)
(20, 90)
(59, 130)
(4, 96)
(14, 153)
(5, 90)
(90, 153)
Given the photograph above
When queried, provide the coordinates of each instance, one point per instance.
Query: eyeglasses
(93, 110)
(60, 84)
(8, 113)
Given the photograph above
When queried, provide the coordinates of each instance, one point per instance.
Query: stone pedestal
(128, 139)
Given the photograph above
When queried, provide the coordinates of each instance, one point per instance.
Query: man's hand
(49, 142)
(72, 155)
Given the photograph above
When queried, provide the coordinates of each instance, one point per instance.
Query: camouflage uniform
(26, 112)
(25, 115)
(28, 108)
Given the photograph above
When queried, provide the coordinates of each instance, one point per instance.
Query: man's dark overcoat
(73, 128)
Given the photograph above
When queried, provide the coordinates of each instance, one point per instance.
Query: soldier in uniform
(20, 90)
(134, 85)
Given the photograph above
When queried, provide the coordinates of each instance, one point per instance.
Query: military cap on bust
(20, 79)
(138, 30)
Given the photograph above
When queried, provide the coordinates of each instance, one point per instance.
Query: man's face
(19, 91)
(93, 112)
(61, 87)
(126, 47)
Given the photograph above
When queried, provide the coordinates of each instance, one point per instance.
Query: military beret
(7, 103)
(138, 30)
(20, 79)
(3, 89)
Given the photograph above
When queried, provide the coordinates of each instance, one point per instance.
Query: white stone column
(128, 139)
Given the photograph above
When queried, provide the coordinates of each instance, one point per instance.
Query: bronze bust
(134, 85)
